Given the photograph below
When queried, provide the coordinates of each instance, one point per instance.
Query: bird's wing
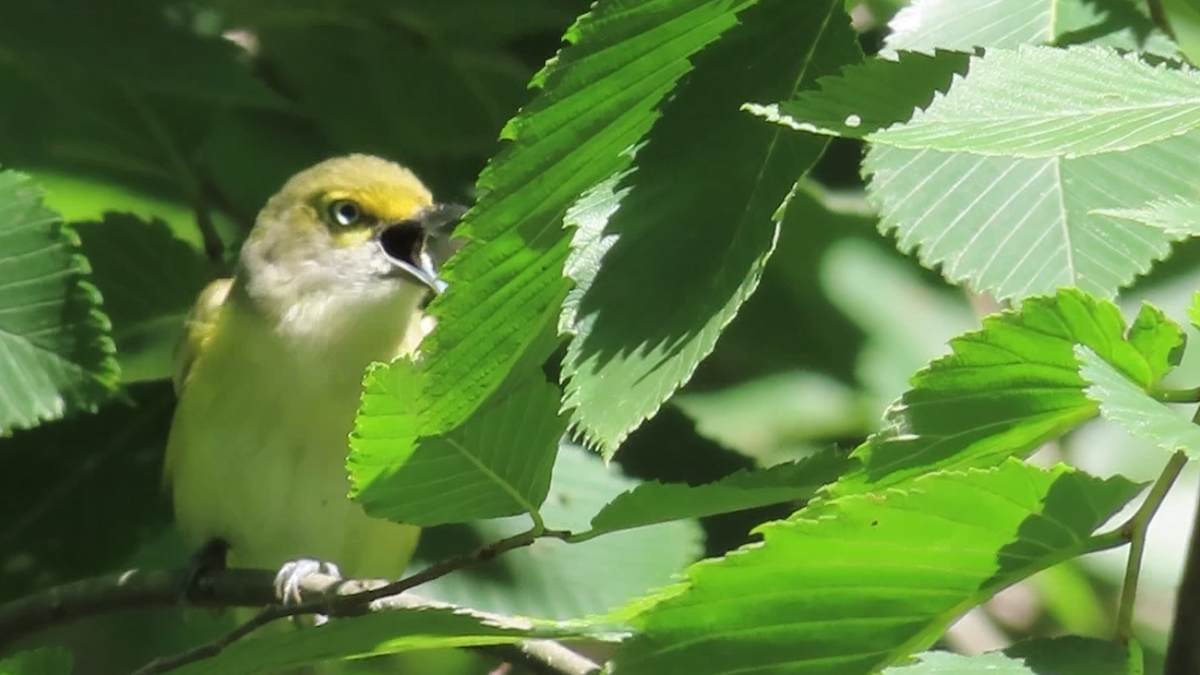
(198, 329)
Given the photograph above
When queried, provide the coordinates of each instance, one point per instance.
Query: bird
(333, 276)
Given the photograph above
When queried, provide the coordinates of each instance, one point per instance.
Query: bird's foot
(208, 558)
(292, 575)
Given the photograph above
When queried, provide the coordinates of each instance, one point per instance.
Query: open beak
(407, 244)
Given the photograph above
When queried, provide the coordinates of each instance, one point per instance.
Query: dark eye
(403, 242)
(345, 212)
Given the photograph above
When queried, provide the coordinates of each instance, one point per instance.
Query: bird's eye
(345, 212)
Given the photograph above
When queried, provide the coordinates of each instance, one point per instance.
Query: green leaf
(598, 98)
(798, 601)
(42, 661)
(1128, 404)
(1176, 215)
(157, 51)
(498, 466)
(925, 25)
(1004, 391)
(1069, 655)
(1068, 107)
(1184, 17)
(56, 355)
(641, 320)
(867, 96)
(1019, 227)
(553, 579)
(651, 503)
(149, 280)
(386, 632)
(1158, 339)
(59, 486)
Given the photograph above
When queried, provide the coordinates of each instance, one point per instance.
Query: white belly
(257, 457)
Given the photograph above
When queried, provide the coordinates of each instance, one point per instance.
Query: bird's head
(350, 235)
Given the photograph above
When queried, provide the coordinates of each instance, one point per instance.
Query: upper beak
(407, 244)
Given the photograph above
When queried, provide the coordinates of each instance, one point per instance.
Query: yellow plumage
(269, 373)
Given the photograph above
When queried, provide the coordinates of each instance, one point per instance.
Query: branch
(141, 590)
(1183, 650)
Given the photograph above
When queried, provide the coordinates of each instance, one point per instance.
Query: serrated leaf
(1176, 215)
(1019, 227)
(868, 96)
(552, 579)
(1048, 102)
(641, 320)
(1004, 391)
(41, 661)
(497, 466)
(56, 355)
(1128, 404)
(651, 503)
(1070, 655)
(598, 97)
(963, 25)
(1158, 339)
(149, 280)
(797, 601)
(386, 632)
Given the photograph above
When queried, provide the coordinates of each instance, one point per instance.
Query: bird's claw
(291, 576)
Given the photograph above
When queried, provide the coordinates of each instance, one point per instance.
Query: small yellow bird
(331, 278)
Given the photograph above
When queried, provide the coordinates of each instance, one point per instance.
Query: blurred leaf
(642, 320)
(1068, 107)
(1004, 391)
(1176, 215)
(506, 284)
(1020, 227)
(56, 354)
(137, 43)
(798, 599)
(651, 503)
(866, 97)
(1069, 597)
(1128, 404)
(1069, 655)
(552, 579)
(962, 25)
(77, 497)
(1184, 17)
(498, 466)
(44, 661)
(387, 632)
(149, 280)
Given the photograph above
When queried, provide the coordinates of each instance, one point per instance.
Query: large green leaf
(798, 603)
(598, 98)
(1068, 105)
(1124, 402)
(56, 354)
(925, 25)
(149, 280)
(1069, 655)
(1004, 391)
(651, 503)
(1016, 227)
(552, 579)
(498, 466)
(43, 661)
(388, 632)
(868, 96)
(642, 320)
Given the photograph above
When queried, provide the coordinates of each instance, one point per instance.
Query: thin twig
(348, 604)
(1135, 530)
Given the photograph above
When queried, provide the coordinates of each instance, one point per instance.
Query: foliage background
(143, 117)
